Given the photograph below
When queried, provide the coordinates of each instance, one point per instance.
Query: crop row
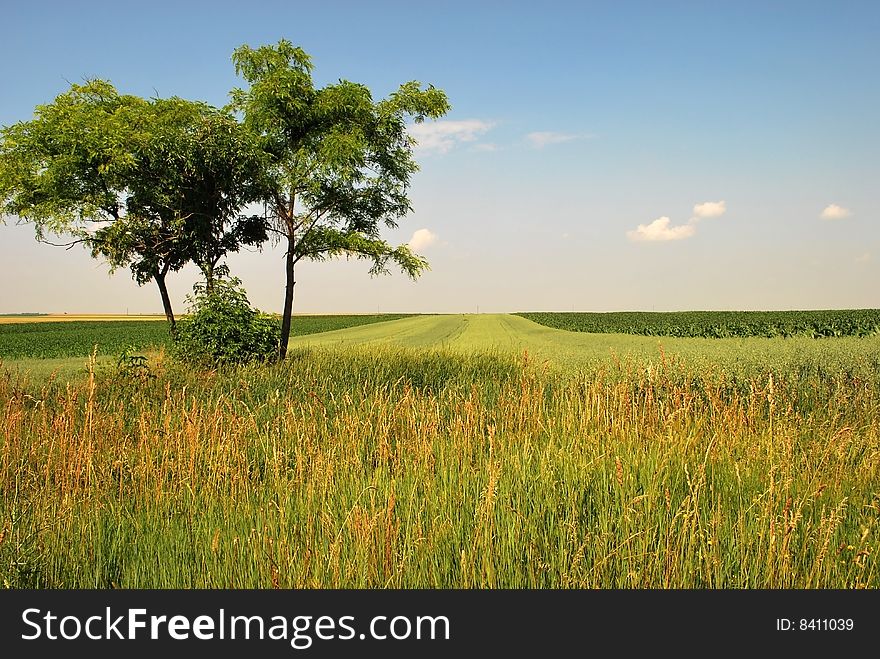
(718, 324)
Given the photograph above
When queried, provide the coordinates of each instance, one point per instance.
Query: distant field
(716, 324)
(575, 352)
(78, 338)
(68, 318)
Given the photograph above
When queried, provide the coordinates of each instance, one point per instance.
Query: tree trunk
(289, 264)
(208, 272)
(166, 301)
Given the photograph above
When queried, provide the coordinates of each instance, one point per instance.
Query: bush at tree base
(223, 328)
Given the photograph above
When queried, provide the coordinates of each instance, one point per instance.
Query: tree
(338, 164)
(208, 170)
(148, 185)
(150, 247)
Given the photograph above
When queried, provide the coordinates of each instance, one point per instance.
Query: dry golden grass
(403, 468)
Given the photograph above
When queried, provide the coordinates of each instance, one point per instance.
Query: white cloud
(708, 209)
(541, 139)
(863, 258)
(442, 136)
(835, 212)
(485, 147)
(659, 230)
(421, 239)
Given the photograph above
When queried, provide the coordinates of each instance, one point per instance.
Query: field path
(484, 333)
(572, 350)
(472, 332)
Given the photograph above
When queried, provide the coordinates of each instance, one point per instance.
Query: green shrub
(223, 328)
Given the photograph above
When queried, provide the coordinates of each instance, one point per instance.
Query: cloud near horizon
(660, 230)
(709, 209)
(442, 136)
(421, 239)
(835, 212)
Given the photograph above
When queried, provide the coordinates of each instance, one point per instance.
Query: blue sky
(582, 167)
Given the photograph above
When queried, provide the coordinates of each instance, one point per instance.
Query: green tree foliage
(146, 184)
(70, 162)
(207, 168)
(338, 163)
(223, 328)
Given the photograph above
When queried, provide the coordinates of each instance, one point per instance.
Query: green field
(454, 451)
(719, 324)
(48, 340)
(575, 352)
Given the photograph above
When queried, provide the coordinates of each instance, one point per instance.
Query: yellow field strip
(66, 318)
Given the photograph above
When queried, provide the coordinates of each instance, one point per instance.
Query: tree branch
(70, 245)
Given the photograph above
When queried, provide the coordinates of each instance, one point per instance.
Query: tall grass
(402, 468)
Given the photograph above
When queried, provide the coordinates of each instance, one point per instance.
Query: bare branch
(305, 234)
(67, 246)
